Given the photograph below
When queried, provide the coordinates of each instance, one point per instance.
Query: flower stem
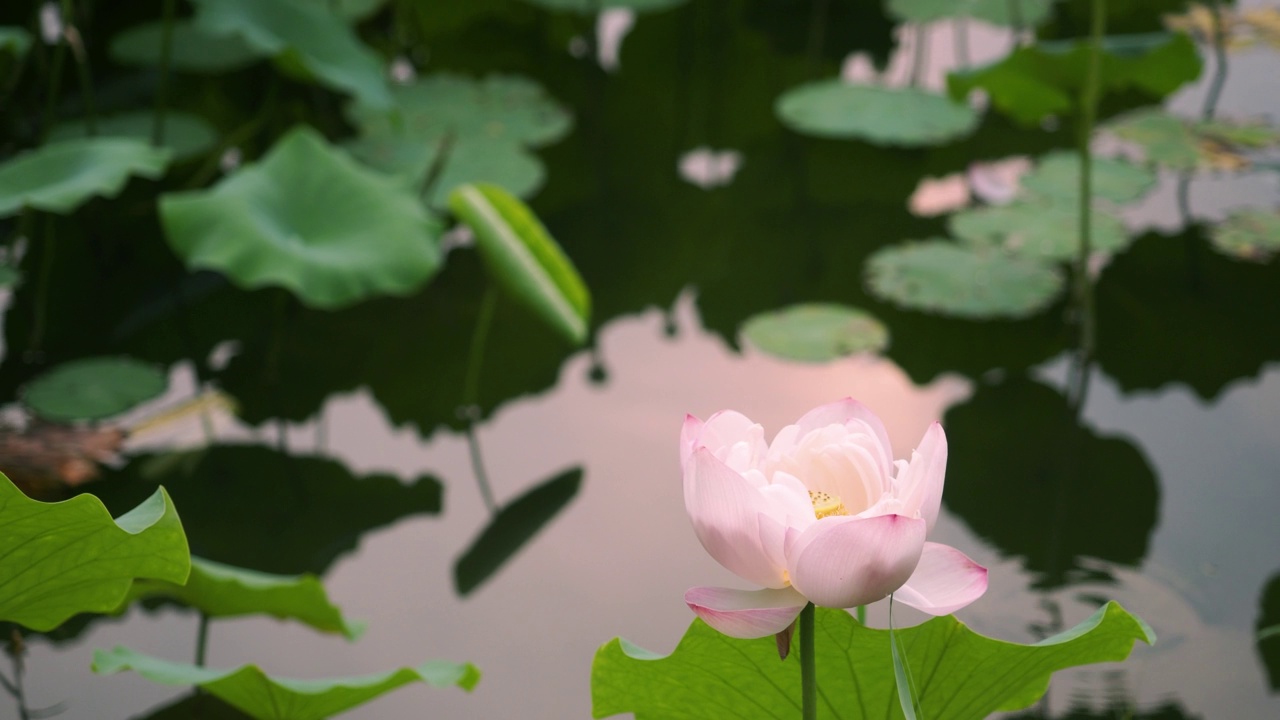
(1088, 113)
(808, 677)
(202, 640)
(471, 392)
(162, 85)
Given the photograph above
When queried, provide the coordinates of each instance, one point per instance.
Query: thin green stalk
(960, 29)
(861, 614)
(36, 340)
(162, 85)
(471, 392)
(73, 39)
(1088, 114)
(202, 640)
(920, 54)
(55, 87)
(16, 649)
(1219, 40)
(808, 672)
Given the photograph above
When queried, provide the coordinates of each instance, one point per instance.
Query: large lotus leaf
(815, 332)
(266, 698)
(310, 219)
(15, 40)
(1057, 176)
(193, 49)
(197, 705)
(186, 135)
(351, 10)
(512, 527)
(219, 591)
(305, 33)
(959, 674)
(1043, 79)
(964, 281)
(65, 558)
(524, 260)
(476, 131)
(60, 176)
(594, 6)
(1098, 495)
(1040, 228)
(1268, 631)
(93, 388)
(1183, 144)
(884, 116)
(1249, 235)
(1022, 13)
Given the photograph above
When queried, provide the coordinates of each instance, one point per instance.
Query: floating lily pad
(351, 10)
(186, 135)
(1023, 13)
(304, 33)
(1038, 228)
(524, 260)
(60, 176)
(266, 698)
(65, 558)
(220, 591)
(14, 40)
(960, 674)
(1248, 235)
(1183, 144)
(1057, 176)
(964, 281)
(816, 332)
(592, 7)
(475, 131)
(310, 219)
(512, 527)
(882, 116)
(193, 49)
(93, 388)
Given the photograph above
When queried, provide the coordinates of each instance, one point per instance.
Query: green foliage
(591, 7)
(1021, 13)
(524, 260)
(1039, 228)
(1182, 144)
(220, 591)
(1057, 176)
(964, 281)
(59, 177)
(883, 116)
(512, 527)
(61, 559)
(185, 135)
(1249, 235)
(15, 40)
(194, 49)
(1043, 79)
(93, 388)
(961, 675)
(310, 219)
(816, 332)
(266, 698)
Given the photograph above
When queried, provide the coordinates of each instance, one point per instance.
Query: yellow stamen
(826, 505)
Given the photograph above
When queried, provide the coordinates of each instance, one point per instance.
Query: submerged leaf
(906, 117)
(512, 527)
(93, 388)
(65, 558)
(961, 675)
(60, 176)
(310, 219)
(816, 332)
(266, 698)
(1252, 234)
(186, 135)
(193, 49)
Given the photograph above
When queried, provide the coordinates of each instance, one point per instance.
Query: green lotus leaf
(1022, 13)
(964, 281)
(1038, 228)
(816, 332)
(1248, 235)
(15, 40)
(474, 131)
(60, 176)
(1045, 78)
(186, 135)
(512, 527)
(93, 388)
(266, 698)
(193, 49)
(218, 591)
(591, 7)
(310, 219)
(959, 674)
(304, 33)
(1183, 144)
(1057, 176)
(524, 260)
(65, 558)
(883, 116)
(351, 10)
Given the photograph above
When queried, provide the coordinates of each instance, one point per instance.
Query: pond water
(1162, 494)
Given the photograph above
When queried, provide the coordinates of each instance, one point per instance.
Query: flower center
(826, 505)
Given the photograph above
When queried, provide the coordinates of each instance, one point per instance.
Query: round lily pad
(592, 7)
(59, 176)
(882, 116)
(1249, 235)
(1057, 176)
(1183, 144)
(185, 134)
(194, 50)
(973, 282)
(93, 388)
(1024, 13)
(816, 332)
(310, 219)
(1038, 228)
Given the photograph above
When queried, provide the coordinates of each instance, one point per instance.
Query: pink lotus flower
(821, 514)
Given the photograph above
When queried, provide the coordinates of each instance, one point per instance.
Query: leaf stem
(1088, 114)
(1219, 41)
(920, 54)
(471, 392)
(74, 40)
(808, 676)
(202, 640)
(36, 340)
(162, 86)
(15, 649)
